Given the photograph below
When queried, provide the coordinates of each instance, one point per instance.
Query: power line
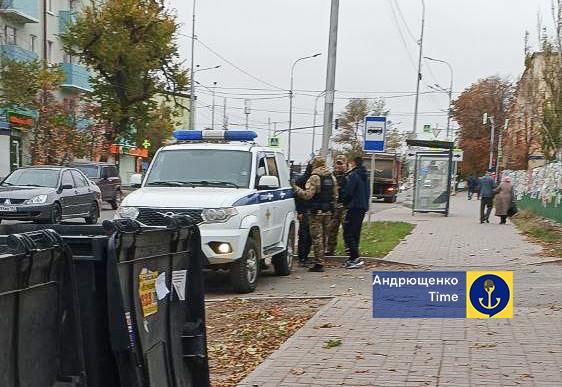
(238, 68)
(402, 38)
(404, 21)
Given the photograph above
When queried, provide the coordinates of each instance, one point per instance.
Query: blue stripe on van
(265, 197)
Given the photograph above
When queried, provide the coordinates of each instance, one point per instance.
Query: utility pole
(313, 147)
(192, 88)
(247, 111)
(416, 106)
(224, 116)
(330, 78)
(490, 119)
(214, 105)
(500, 148)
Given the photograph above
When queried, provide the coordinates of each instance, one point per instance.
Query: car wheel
(56, 214)
(116, 202)
(94, 214)
(283, 262)
(244, 272)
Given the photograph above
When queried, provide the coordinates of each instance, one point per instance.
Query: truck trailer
(387, 176)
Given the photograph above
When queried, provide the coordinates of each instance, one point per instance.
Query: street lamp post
(416, 104)
(314, 120)
(291, 95)
(192, 88)
(450, 92)
(214, 105)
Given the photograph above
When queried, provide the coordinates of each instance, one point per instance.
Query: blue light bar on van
(202, 135)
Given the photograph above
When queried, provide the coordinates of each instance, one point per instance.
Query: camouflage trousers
(319, 228)
(332, 236)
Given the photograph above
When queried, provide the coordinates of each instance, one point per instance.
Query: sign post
(375, 142)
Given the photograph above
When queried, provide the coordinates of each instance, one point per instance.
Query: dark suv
(106, 176)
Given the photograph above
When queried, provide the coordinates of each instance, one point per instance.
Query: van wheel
(244, 272)
(283, 262)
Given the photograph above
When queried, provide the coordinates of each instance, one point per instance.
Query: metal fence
(539, 190)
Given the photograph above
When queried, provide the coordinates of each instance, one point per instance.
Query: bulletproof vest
(341, 179)
(323, 200)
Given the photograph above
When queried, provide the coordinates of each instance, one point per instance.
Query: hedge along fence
(539, 190)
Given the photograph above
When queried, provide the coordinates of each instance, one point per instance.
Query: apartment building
(29, 30)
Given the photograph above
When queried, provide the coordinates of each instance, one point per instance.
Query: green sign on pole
(274, 142)
(427, 128)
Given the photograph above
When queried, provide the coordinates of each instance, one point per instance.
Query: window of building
(49, 51)
(68, 58)
(10, 33)
(33, 42)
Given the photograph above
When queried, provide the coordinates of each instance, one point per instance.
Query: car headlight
(218, 215)
(39, 199)
(128, 212)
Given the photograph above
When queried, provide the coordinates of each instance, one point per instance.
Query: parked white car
(238, 192)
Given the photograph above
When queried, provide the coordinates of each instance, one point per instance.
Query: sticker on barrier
(147, 292)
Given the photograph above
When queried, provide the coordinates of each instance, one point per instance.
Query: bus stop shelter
(433, 167)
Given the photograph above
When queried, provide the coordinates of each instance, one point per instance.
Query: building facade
(522, 139)
(28, 31)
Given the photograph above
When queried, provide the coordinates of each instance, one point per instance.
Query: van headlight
(218, 215)
(39, 199)
(128, 212)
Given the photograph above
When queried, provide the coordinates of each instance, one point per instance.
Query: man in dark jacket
(304, 243)
(487, 186)
(356, 198)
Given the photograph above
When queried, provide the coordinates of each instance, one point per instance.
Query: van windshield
(201, 167)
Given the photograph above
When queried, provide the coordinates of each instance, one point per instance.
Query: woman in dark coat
(504, 198)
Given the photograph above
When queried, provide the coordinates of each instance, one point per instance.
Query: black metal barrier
(139, 296)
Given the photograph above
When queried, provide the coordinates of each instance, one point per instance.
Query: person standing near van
(340, 171)
(320, 192)
(304, 244)
(356, 198)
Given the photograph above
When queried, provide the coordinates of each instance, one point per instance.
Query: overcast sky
(377, 55)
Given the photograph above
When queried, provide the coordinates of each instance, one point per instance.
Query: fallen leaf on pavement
(297, 371)
(332, 343)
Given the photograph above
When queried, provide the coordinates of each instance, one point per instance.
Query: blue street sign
(375, 134)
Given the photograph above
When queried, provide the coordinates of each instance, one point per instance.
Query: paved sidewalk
(523, 351)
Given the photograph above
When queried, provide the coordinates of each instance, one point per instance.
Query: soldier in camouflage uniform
(340, 170)
(321, 192)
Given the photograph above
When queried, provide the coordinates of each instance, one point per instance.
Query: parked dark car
(106, 176)
(48, 195)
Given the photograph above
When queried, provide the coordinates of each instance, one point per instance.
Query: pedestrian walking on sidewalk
(504, 198)
(304, 242)
(320, 192)
(471, 186)
(487, 186)
(340, 170)
(356, 196)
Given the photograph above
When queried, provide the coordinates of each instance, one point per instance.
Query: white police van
(237, 191)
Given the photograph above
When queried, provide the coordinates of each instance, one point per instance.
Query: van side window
(261, 169)
(284, 180)
(272, 169)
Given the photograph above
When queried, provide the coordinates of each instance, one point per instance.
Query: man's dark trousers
(489, 203)
(352, 231)
(304, 239)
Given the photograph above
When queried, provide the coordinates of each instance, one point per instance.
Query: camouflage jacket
(312, 186)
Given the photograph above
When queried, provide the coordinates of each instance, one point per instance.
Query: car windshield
(201, 167)
(33, 177)
(89, 170)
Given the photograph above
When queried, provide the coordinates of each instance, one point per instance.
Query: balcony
(15, 52)
(76, 77)
(65, 19)
(20, 11)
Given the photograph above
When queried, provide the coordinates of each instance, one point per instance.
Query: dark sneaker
(354, 264)
(317, 268)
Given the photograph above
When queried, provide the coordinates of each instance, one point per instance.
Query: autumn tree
(492, 95)
(351, 122)
(130, 45)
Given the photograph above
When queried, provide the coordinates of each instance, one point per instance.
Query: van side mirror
(136, 180)
(268, 182)
(66, 186)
